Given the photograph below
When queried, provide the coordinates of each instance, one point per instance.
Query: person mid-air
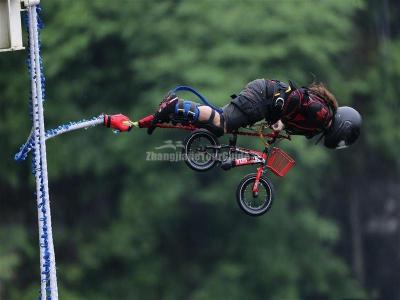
(307, 111)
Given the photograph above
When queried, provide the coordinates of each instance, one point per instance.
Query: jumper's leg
(188, 112)
(205, 114)
(210, 119)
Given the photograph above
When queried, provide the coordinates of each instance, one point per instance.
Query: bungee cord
(83, 124)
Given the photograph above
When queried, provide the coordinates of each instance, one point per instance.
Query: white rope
(43, 155)
(37, 153)
(47, 255)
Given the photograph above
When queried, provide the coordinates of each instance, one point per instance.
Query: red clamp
(119, 122)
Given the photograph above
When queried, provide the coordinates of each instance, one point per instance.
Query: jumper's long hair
(321, 91)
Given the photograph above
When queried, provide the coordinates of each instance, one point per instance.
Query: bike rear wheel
(200, 150)
(251, 204)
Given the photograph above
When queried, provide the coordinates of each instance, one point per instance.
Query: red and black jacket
(301, 111)
(305, 113)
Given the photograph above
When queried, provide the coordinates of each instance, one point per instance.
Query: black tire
(197, 156)
(244, 194)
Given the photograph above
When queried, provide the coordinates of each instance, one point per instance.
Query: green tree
(133, 229)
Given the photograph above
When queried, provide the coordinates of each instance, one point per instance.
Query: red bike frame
(256, 157)
(146, 122)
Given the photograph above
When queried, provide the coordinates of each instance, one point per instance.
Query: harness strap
(212, 116)
(277, 95)
(281, 94)
(193, 112)
(209, 124)
(179, 110)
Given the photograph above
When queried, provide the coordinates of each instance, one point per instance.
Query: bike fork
(260, 171)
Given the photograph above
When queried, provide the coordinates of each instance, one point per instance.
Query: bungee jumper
(307, 111)
(262, 104)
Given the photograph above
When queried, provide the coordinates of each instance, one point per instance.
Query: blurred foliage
(127, 228)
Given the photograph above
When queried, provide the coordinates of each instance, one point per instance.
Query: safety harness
(277, 94)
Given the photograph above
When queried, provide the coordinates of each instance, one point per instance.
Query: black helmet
(345, 128)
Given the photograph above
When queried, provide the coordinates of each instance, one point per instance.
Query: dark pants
(234, 118)
(250, 106)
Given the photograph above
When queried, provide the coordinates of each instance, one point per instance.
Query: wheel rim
(259, 203)
(199, 152)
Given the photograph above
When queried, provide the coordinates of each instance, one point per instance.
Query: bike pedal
(227, 164)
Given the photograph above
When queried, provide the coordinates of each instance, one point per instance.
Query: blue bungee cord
(200, 96)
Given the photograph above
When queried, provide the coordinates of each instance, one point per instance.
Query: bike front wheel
(251, 203)
(200, 150)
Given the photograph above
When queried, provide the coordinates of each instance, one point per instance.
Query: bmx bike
(203, 151)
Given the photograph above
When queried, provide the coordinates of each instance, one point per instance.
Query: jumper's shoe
(166, 108)
(165, 111)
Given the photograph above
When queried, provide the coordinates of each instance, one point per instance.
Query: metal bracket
(28, 3)
(10, 25)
